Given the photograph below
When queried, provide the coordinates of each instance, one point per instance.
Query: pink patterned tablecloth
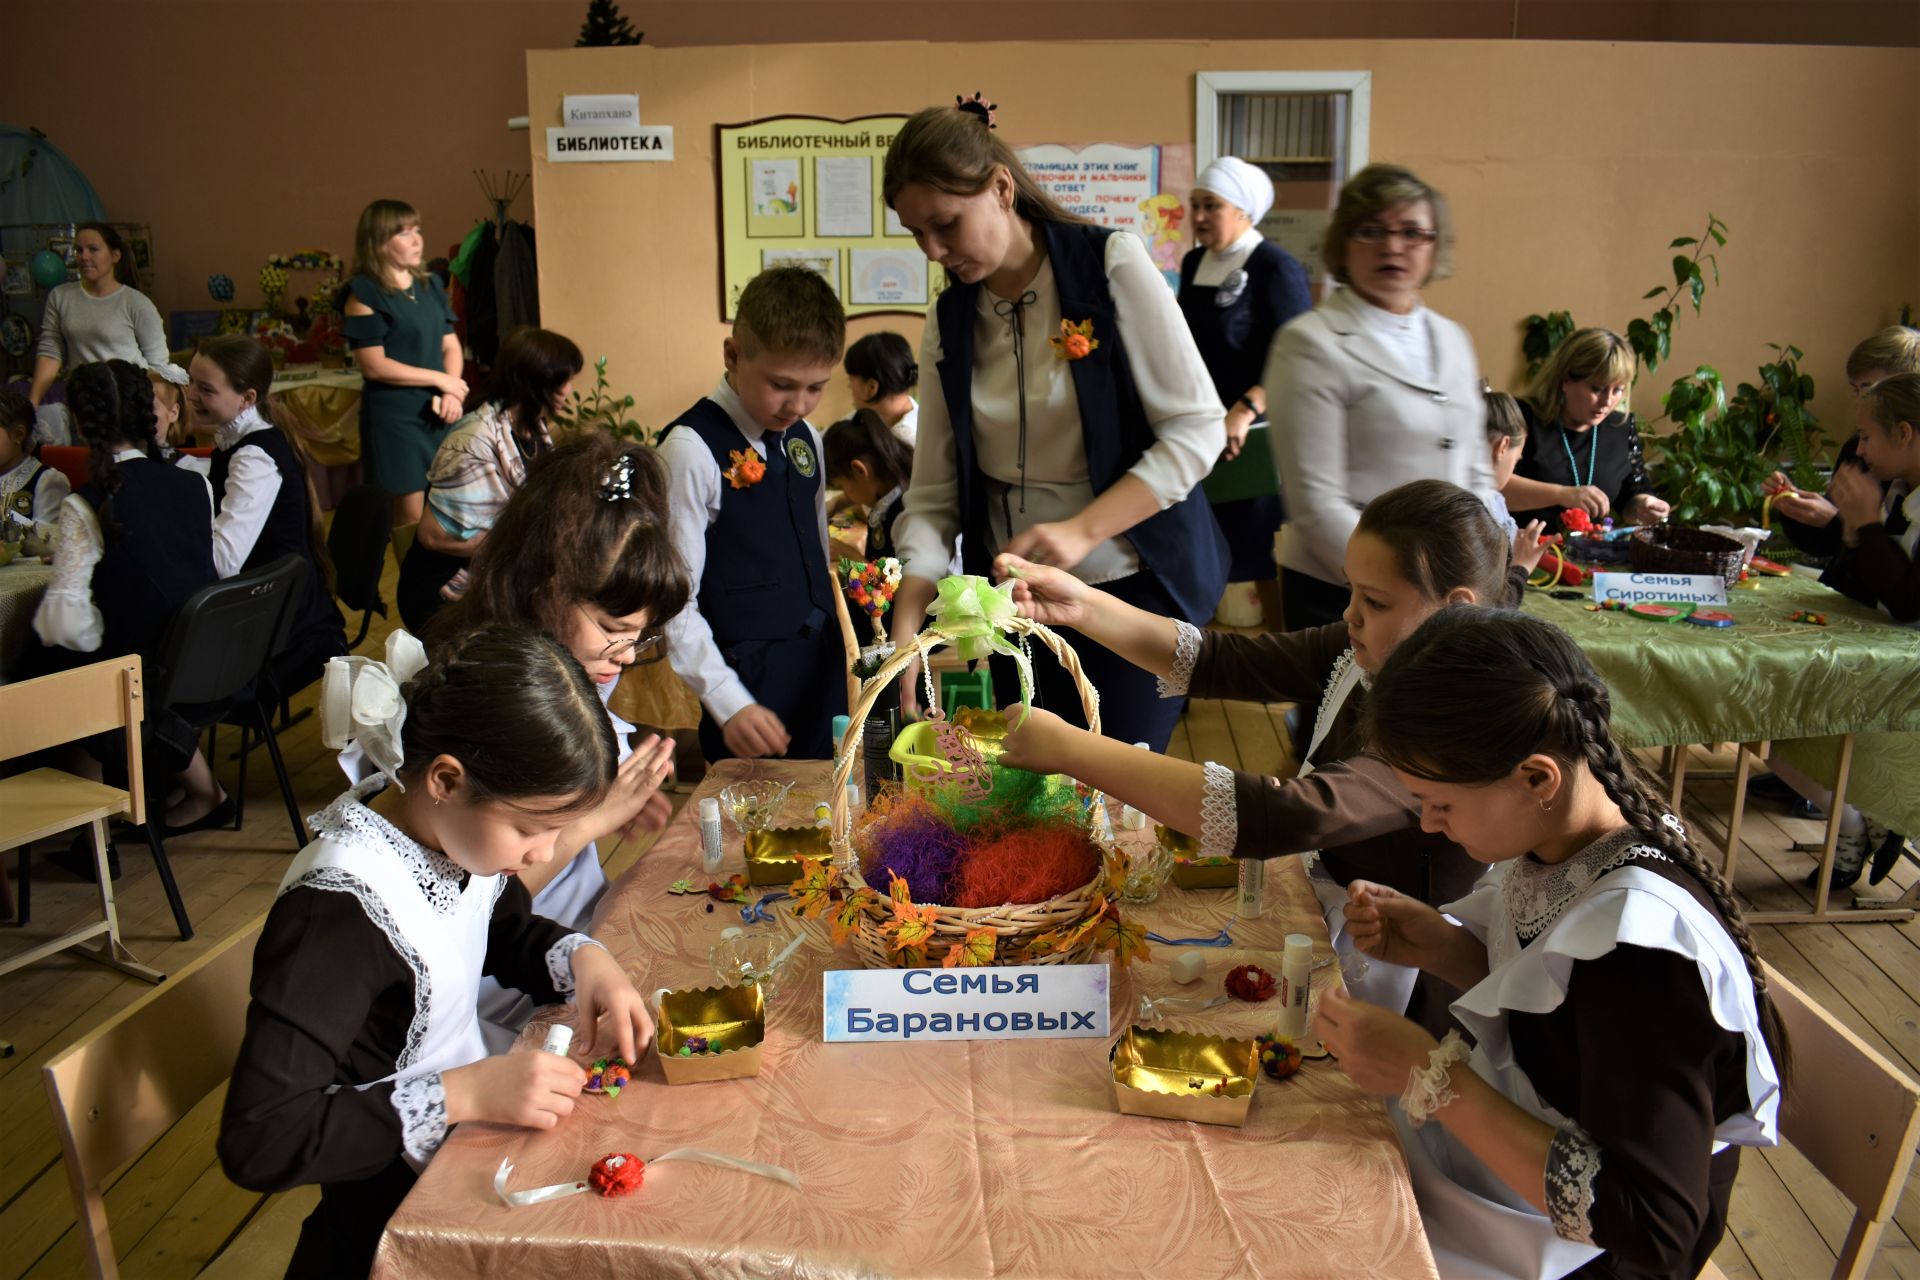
(983, 1158)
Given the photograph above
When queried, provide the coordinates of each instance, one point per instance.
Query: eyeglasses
(1374, 233)
(642, 649)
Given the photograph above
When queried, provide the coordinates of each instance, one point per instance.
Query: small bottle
(840, 726)
(710, 846)
(876, 739)
(1296, 981)
(559, 1039)
(1253, 883)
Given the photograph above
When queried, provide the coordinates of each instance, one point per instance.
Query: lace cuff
(1186, 651)
(560, 959)
(1219, 812)
(1573, 1166)
(422, 1104)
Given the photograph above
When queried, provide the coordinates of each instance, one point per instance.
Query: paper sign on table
(1004, 1002)
(1664, 588)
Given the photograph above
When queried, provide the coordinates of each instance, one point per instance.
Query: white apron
(1477, 1226)
(437, 927)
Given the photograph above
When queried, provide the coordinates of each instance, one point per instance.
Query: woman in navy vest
(1236, 289)
(1068, 416)
(135, 542)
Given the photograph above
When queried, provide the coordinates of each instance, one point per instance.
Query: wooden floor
(175, 1215)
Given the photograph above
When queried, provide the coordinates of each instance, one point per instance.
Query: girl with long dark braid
(1624, 1044)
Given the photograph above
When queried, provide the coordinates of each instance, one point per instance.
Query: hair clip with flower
(1075, 340)
(747, 470)
(618, 486)
(978, 105)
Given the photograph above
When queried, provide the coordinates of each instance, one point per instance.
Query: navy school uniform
(318, 631)
(765, 591)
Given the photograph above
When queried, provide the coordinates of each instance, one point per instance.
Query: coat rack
(501, 192)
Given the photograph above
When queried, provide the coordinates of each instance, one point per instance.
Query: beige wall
(1570, 167)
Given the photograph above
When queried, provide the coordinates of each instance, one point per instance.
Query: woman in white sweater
(101, 316)
(1370, 390)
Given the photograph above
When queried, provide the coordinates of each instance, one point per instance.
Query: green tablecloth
(1768, 678)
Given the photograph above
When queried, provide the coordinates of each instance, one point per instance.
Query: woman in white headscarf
(1236, 290)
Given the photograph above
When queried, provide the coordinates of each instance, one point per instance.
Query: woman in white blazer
(1370, 390)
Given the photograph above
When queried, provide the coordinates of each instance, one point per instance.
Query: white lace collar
(1535, 894)
(1332, 700)
(878, 511)
(243, 425)
(350, 821)
(19, 476)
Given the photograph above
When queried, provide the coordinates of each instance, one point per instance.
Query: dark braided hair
(112, 406)
(1475, 691)
(517, 712)
(865, 437)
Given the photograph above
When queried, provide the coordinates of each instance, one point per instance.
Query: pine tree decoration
(606, 26)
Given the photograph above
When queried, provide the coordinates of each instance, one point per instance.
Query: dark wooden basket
(1663, 549)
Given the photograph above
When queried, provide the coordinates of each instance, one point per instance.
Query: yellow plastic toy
(917, 751)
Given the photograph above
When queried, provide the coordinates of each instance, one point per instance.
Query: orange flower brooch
(747, 470)
(1075, 341)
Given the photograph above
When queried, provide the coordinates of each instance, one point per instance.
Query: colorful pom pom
(1279, 1056)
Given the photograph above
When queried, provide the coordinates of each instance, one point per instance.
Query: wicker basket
(1017, 924)
(1661, 549)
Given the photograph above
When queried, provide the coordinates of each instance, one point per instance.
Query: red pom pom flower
(1251, 982)
(1576, 520)
(617, 1175)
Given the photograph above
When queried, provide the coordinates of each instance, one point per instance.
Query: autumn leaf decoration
(1066, 937)
(911, 929)
(747, 469)
(976, 950)
(813, 891)
(1075, 340)
(847, 912)
(1128, 942)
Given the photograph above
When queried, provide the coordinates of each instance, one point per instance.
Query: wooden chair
(184, 1036)
(49, 712)
(1855, 1117)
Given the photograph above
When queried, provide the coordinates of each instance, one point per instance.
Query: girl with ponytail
(1624, 1044)
(867, 462)
(882, 374)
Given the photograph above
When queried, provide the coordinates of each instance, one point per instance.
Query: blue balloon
(49, 269)
(220, 285)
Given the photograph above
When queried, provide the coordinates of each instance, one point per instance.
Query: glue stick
(559, 1039)
(1296, 980)
(710, 847)
(1253, 880)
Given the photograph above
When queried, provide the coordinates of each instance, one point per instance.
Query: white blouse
(67, 617)
(1216, 265)
(52, 490)
(253, 482)
(1184, 411)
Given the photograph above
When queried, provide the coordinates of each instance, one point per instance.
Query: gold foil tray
(773, 856)
(735, 1016)
(1190, 871)
(1175, 1075)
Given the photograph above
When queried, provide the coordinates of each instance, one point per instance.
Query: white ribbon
(360, 702)
(561, 1190)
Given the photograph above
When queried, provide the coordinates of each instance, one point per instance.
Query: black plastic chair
(216, 655)
(357, 544)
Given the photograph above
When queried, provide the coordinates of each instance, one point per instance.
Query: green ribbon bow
(973, 614)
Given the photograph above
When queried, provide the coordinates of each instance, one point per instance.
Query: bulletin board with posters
(805, 191)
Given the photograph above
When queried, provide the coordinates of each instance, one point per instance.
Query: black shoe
(1806, 809)
(221, 815)
(77, 859)
(1886, 852)
(1849, 860)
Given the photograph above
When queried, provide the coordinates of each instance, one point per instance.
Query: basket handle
(903, 657)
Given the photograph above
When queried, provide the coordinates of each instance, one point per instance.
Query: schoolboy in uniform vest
(760, 644)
